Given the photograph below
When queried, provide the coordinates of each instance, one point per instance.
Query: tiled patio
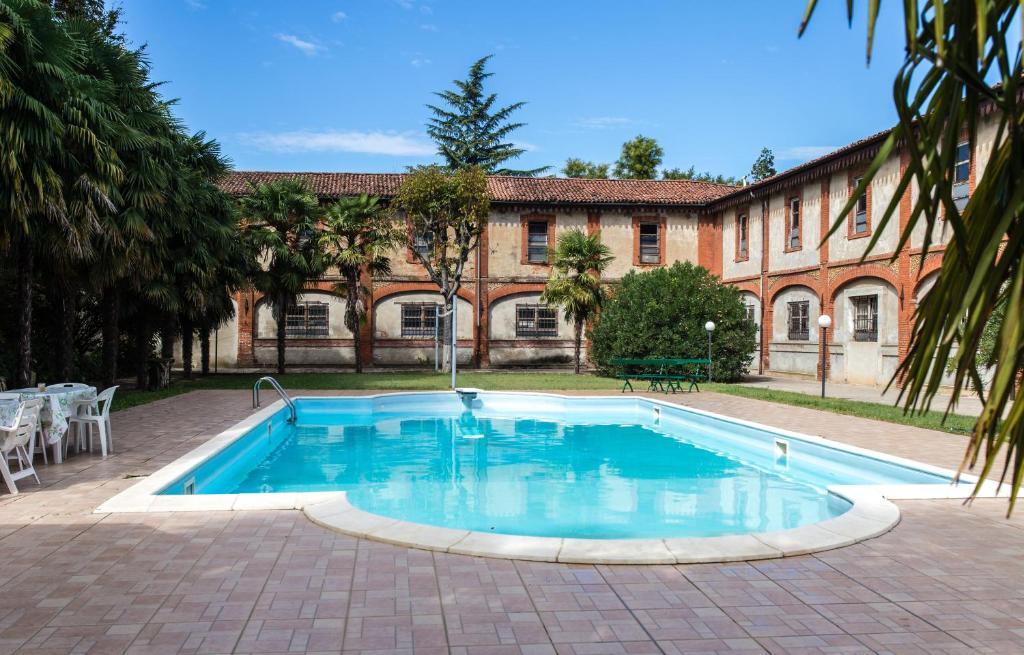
(948, 579)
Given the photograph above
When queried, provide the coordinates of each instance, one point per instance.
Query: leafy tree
(662, 312)
(578, 261)
(575, 167)
(472, 132)
(280, 225)
(764, 165)
(359, 237)
(954, 48)
(692, 174)
(640, 159)
(452, 208)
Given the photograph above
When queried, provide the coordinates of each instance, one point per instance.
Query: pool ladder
(281, 392)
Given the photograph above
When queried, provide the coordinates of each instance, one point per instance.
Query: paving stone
(946, 580)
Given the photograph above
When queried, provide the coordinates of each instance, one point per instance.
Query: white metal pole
(437, 338)
(455, 330)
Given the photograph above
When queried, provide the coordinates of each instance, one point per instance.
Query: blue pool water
(545, 466)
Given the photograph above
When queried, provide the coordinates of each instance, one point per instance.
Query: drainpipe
(762, 345)
(479, 337)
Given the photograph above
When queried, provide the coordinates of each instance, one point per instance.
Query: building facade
(766, 239)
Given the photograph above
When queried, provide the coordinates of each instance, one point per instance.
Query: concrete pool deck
(947, 579)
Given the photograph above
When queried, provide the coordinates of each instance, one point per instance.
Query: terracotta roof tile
(505, 188)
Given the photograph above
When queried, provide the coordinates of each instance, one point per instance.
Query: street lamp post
(824, 322)
(710, 327)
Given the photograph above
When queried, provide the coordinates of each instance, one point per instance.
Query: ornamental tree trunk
(64, 303)
(448, 354)
(187, 336)
(579, 342)
(204, 349)
(142, 350)
(352, 319)
(282, 317)
(111, 334)
(26, 260)
(168, 332)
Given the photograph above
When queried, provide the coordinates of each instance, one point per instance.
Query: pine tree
(472, 132)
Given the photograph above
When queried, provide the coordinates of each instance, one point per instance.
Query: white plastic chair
(14, 442)
(41, 444)
(68, 385)
(99, 419)
(85, 405)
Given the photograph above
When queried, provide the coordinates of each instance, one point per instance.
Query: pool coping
(871, 513)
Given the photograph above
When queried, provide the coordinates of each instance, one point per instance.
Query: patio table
(56, 410)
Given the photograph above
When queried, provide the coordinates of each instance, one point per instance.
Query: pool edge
(871, 513)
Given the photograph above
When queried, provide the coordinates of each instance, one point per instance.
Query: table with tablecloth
(58, 406)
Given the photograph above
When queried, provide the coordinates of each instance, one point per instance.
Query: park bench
(661, 373)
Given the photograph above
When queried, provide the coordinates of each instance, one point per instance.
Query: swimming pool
(576, 471)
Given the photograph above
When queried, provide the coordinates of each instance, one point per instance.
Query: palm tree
(205, 259)
(360, 236)
(961, 62)
(57, 170)
(579, 259)
(126, 262)
(280, 226)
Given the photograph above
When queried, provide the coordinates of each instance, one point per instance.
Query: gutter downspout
(479, 345)
(763, 343)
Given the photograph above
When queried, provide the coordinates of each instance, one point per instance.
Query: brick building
(763, 238)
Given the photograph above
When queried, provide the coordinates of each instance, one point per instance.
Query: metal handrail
(279, 389)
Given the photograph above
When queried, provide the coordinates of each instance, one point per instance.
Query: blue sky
(334, 85)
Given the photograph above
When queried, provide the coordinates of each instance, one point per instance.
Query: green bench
(660, 373)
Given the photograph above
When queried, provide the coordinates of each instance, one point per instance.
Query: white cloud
(407, 144)
(527, 146)
(307, 48)
(338, 16)
(429, 27)
(604, 122)
(196, 4)
(406, 4)
(804, 153)
(419, 62)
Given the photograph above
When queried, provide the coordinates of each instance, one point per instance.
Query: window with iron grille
(306, 319)
(418, 319)
(865, 318)
(748, 310)
(537, 242)
(742, 226)
(536, 321)
(962, 176)
(798, 325)
(794, 223)
(860, 216)
(423, 243)
(650, 243)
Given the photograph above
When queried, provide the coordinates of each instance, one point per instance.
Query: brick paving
(948, 579)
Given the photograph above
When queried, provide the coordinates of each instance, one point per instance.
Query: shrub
(662, 312)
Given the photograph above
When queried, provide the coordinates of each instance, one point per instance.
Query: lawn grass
(931, 420)
(389, 381)
(530, 381)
